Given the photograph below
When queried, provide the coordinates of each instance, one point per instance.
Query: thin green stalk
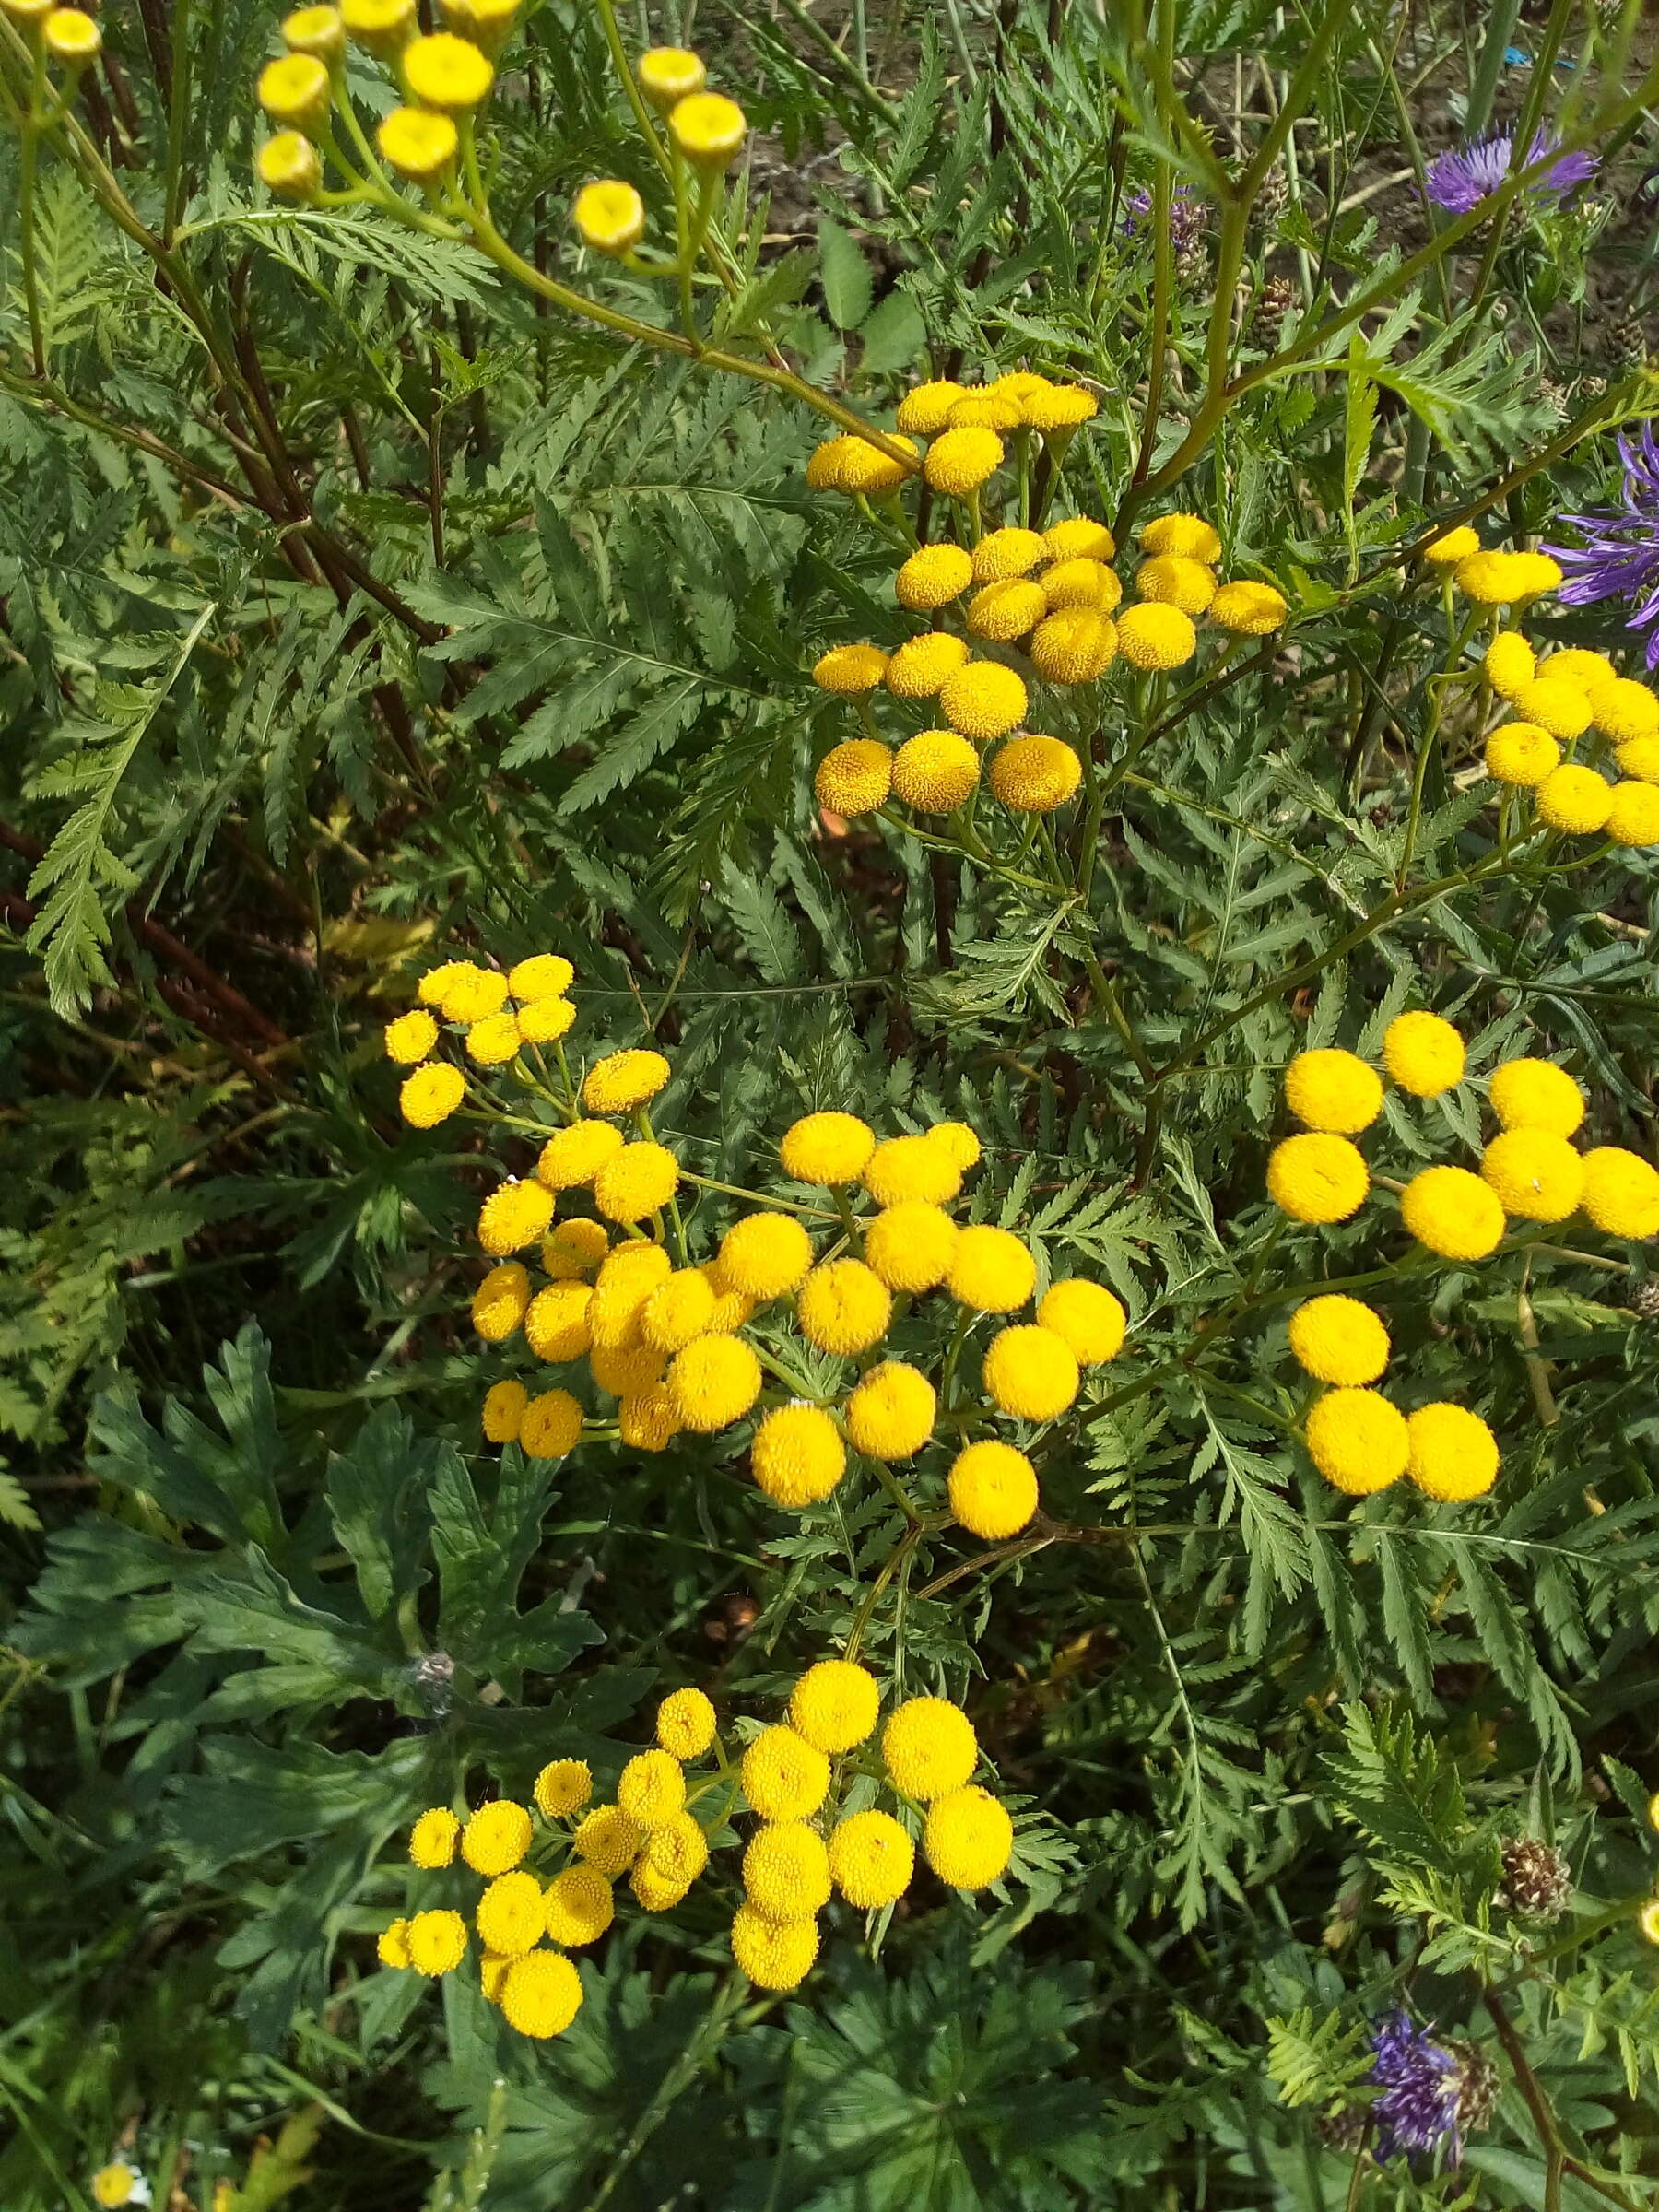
(28, 155)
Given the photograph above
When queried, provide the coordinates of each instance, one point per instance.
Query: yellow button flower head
(494, 1040)
(1575, 799)
(1317, 1177)
(993, 1490)
(774, 1954)
(1333, 1091)
(1588, 672)
(1509, 664)
(786, 1871)
(638, 1180)
(708, 129)
(541, 1994)
(1336, 1339)
(1087, 1317)
(685, 1723)
(511, 1916)
(505, 1407)
(797, 1454)
(1506, 578)
(648, 1420)
(579, 1907)
(418, 143)
(512, 1216)
(383, 26)
(1083, 582)
(1621, 1193)
(297, 90)
(928, 1748)
(986, 411)
(555, 1323)
(1452, 1454)
(866, 467)
(500, 1301)
(437, 1943)
(959, 461)
(1423, 1055)
(909, 1245)
(890, 1412)
(969, 1839)
(1174, 581)
(983, 699)
(1003, 612)
(1020, 383)
(551, 1427)
(652, 1789)
(655, 1892)
(1633, 817)
(1536, 1094)
(1533, 1173)
(563, 1786)
(1034, 775)
(991, 1270)
(572, 1158)
(1452, 546)
(1074, 646)
(608, 1840)
(411, 1037)
(827, 1148)
(926, 411)
(1452, 1213)
(677, 1852)
(911, 1167)
(392, 1949)
(574, 1248)
(543, 975)
(834, 1705)
(1521, 754)
(1562, 708)
(626, 1373)
(1059, 407)
(1030, 1373)
(713, 1383)
(960, 1144)
(668, 75)
(487, 23)
(1624, 711)
(1079, 539)
(289, 166)
(622, 1081)
(843, 1307)
(1639, 757)
(1003, 555)
(765, 1255)
(784, 1777)
(920, 664)
(470, 992)
(935, 770)
(446, 72)
(609, 216)
(1249, 609)
(679, 1311)
(1188, 536)
(932, 576)
(872, 1860)
(1357, 1441)
(854, 778)
(433, 1838)
(1153, 637)
(495, 1838)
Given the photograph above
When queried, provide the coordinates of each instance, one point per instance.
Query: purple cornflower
(1417, 2108)
(1460, 179)
(1619, 558)
(1187, 216)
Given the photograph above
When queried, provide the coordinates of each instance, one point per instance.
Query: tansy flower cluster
(544, 1880)
(696, 1342)
(1530, 1169)
(1009, 611)
(1573, 715)
(1356, 1438)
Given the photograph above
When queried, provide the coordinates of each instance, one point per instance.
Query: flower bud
(297, 90)
(610, 216)
(446, 72)
(288, 165)
(316, 30)
(708, 129)
(383, 26)
(72, 37)
(669, 74)
(417, 143)
(487, 23)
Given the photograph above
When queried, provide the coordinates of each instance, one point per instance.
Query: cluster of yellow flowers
(1568, 696)
(705, 129)
(1529, 1170)
(1048, 599)
(672, 1343)
(1357, 1439)
(525, 1926)
(67, 37)
(1490, 576)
